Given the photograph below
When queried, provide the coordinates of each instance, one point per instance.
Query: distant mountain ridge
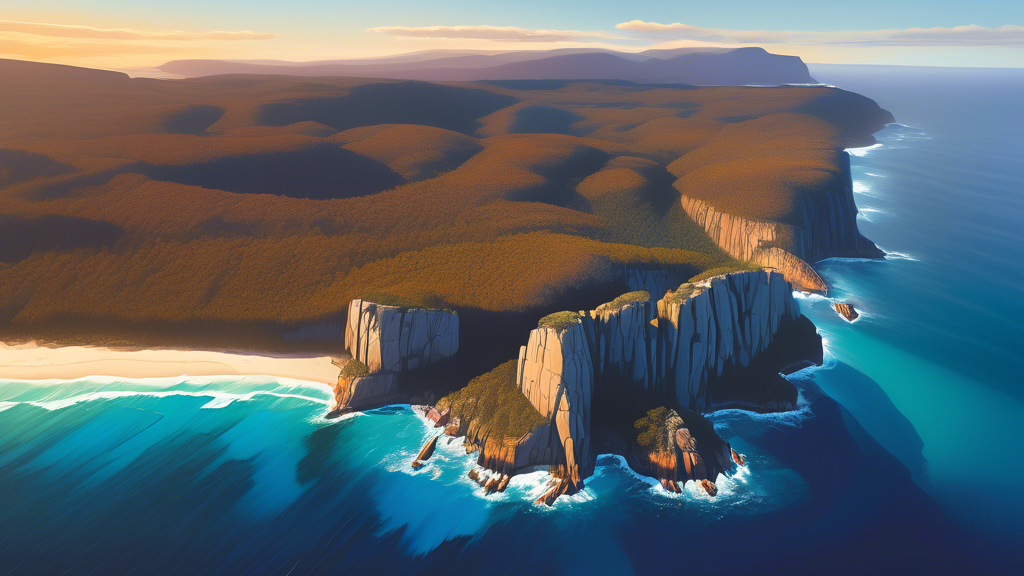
(697, 66)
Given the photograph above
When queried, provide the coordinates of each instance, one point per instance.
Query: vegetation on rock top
(354, 369)
(627, 298)
(494, 404)
(559, 321)
(723, 270)
(652, 432)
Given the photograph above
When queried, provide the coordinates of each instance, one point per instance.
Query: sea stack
(846, 311)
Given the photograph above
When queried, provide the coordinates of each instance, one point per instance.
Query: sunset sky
(122, 34)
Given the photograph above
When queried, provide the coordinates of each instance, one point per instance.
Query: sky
(139, 34)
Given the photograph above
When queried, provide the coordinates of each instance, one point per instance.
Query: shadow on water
(882, 421)
(864, 512)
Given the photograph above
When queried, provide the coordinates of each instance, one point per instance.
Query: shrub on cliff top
(495, 401)
(722, 270)
(559, 321)
(680, 294)
(354, 369)
(652, 434)
(627, 298)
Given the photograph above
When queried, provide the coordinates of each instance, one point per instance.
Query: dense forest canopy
(132, 206)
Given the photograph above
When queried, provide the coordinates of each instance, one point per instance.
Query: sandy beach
(34, 362)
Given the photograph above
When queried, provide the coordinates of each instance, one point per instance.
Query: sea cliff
(597, 377)
(823, 225)
(385, 341)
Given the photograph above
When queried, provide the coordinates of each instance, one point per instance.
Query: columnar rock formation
(395, 339)
(557, 375)
(677, 351)
(679, 346)
(825, 225)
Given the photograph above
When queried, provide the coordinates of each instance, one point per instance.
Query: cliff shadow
(192, 119)
(488, 338)
(884, 425)
(863, 510)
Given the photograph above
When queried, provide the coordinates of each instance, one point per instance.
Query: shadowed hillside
(232, 210)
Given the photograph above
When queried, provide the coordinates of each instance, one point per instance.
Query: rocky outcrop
(684, 447)
(824, 225)
(395, 339)
(845, 310)
(370, 391)
(426, 452)
(539, 448)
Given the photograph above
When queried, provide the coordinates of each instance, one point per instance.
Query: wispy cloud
(964, 36)
(88, 32)
(499, 33)
(62, 42)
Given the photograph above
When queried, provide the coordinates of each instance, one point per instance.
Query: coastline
(32, 361)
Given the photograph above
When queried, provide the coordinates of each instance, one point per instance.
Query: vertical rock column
(724, 320)
(556, 373)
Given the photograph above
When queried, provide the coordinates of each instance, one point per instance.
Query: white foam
(866, 213)
(875, 175)
(813, 297)
(893, 255)
(794, 418)
(6, 405)
(863, 151)
(219, 399)
(727, 484)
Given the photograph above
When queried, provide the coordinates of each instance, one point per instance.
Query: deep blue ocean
(905, 457)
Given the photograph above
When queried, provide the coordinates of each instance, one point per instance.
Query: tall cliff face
(556, 374)
(394, 339)
(680, 347)
(825, 226)
(700, 348)
(388, 340)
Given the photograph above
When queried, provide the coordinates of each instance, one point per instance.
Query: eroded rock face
(845, 310)
(697, 332)
(692, 450)
(826, 226)
(726, 320)
(677, 351)
(365, 392)
(556, 374)
(654, 282)
(394, 339)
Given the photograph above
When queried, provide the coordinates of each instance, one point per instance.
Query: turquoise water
(904, 454)
(938, 351)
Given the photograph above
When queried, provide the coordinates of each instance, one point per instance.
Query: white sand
(34, 362)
